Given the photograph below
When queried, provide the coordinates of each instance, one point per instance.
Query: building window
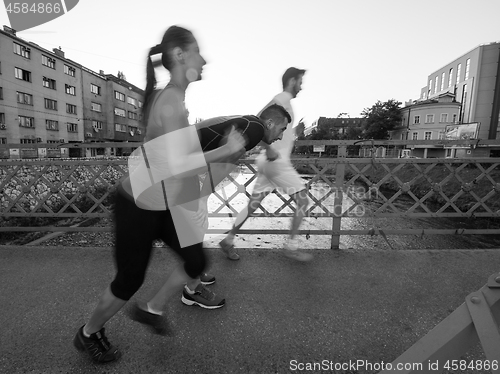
(140, 103)
(70, 90)
(26, 121)
(132, 115)
(2, 118)
(428, 135)
(132, 130)
(21, 50)
(429, 118)
(24, 75)
(49, 83)
(414, 136)
(463, 101)
(50, 104)
(3, 140)
(69, 70)
(70, 108)
(132, 101)
(119, 96)
(121, 128)
(454, 118)
(120, 112)
(442, 81)
(27, 141)
(436, 84)
(467, 67)
(51, 125)
(449, 153)
(72, 127)
(96, 107)
(416, 119)
(49, 62)
(459, 71)
(97, 125)
(24, 98)
(96, 90)
(429, 91)
(1, 93)
(444, 118)
(450, 77)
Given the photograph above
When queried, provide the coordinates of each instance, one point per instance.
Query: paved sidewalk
(345, 305)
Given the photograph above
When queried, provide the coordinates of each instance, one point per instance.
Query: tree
(381, 118)
(121, 75)
(353, 133)
(301, 136)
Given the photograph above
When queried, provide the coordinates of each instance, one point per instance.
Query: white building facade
(465, 91)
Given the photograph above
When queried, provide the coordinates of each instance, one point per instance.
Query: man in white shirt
(275, 171)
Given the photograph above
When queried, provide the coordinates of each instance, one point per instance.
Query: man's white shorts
(279, 174)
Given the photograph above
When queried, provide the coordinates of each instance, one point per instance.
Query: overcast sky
(355, 52)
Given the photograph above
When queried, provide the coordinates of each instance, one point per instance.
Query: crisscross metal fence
(366, 188)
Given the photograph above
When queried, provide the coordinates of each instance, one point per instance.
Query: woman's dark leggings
(135, 230)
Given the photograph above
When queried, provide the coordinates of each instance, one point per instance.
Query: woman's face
(194, 62)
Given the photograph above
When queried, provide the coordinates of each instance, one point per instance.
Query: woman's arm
(180, 144)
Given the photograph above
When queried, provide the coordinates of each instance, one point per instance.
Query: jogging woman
(144, 201)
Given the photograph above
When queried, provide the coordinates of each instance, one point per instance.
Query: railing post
(339, 192)
(442, 347)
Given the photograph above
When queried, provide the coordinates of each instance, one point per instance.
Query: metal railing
(374, 187)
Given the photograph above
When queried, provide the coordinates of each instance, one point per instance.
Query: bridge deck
(345, 305)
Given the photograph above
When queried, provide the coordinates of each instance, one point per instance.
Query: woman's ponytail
(150, 79)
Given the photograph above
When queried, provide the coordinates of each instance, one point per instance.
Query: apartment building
(427, 120)
(464, 91)
(340, 125)
(41, 101)
(48, 98)
(95, 116)
(124, 116)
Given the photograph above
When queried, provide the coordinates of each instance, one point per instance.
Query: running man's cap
(291, 73)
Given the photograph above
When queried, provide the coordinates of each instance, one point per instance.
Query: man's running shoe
(229, 250)
(207, 279)
(202, 297)
(297, 255)
(139, 313)
(97, 346)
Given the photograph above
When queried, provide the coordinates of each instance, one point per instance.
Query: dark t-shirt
(212, 131)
